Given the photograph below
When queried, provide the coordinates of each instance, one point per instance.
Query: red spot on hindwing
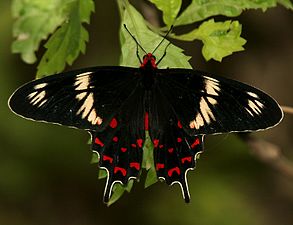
(122, 170)
(146, 121)
(113, 123)
(133, 145)
(175, 169)
(179, 124)
(115, 139)
(139, 142)
(123, 149)
(170, 150)
(179, 139)
(188, 159)
(107, 158)
(156, 142)
(99, 142)
(160, 166)
(135, 165)
(195, 143)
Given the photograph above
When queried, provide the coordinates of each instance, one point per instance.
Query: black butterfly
(116, 105)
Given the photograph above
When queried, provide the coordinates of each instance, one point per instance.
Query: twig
(287, 109)
(269, 153)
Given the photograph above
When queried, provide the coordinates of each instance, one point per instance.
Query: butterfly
(117, 105)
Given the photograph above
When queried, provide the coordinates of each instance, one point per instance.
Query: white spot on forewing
(254, 107)
(82, 84)
(98, 121)
(212, 100)
(80, 96)
(43, 102)
(31, 95)
(259, 104)
(249, 111)
(82, 81)
(206, 111)
(206, 115)
(39, 86)
(37, 97)
(211, 79)
(252, 94)
(84, 74)
(86, 106)
(197, 122)
(212, 86)
(94, 118)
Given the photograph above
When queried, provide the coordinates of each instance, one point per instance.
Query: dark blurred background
(46, 177)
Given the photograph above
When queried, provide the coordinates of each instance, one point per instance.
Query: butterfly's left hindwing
(85, 99)
(120, 144)
(207, 104)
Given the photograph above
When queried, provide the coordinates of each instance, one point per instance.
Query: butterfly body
(117, 105)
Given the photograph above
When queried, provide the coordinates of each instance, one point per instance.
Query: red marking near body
(156, 142)
(170, 150)
(107, 158)
(171, 171)
(188, 159)
(139, 142)
(99, 142)
(179, 140)
(135, 165)
(161, 146)
(146, 121)
(149, 58)
(122, 170)
(115, 139)
(160, 166)
(113, 123)
(133, 145)
(123, 149)
(195, 143)
(179, 124)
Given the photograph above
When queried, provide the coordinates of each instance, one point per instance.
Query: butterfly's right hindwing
(86, 99)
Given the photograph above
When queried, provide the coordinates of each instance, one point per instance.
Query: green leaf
(220, 39)
(148, 161)
(286, 3)
(148, 148)
(200, 10)
(151, 177)
(95, 158)
(118, 191)
(35, 20)
(102, 173)
(149, 41)
(68, 41)
(169, 8)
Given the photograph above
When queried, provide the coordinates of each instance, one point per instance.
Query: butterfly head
(149, 61)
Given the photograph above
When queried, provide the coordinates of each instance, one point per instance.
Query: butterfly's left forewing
(85, 99)
(207, 104)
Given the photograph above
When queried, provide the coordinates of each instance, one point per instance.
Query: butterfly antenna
(137, 44)
(164, 38)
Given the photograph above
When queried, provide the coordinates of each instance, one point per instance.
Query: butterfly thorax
(148, 67)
